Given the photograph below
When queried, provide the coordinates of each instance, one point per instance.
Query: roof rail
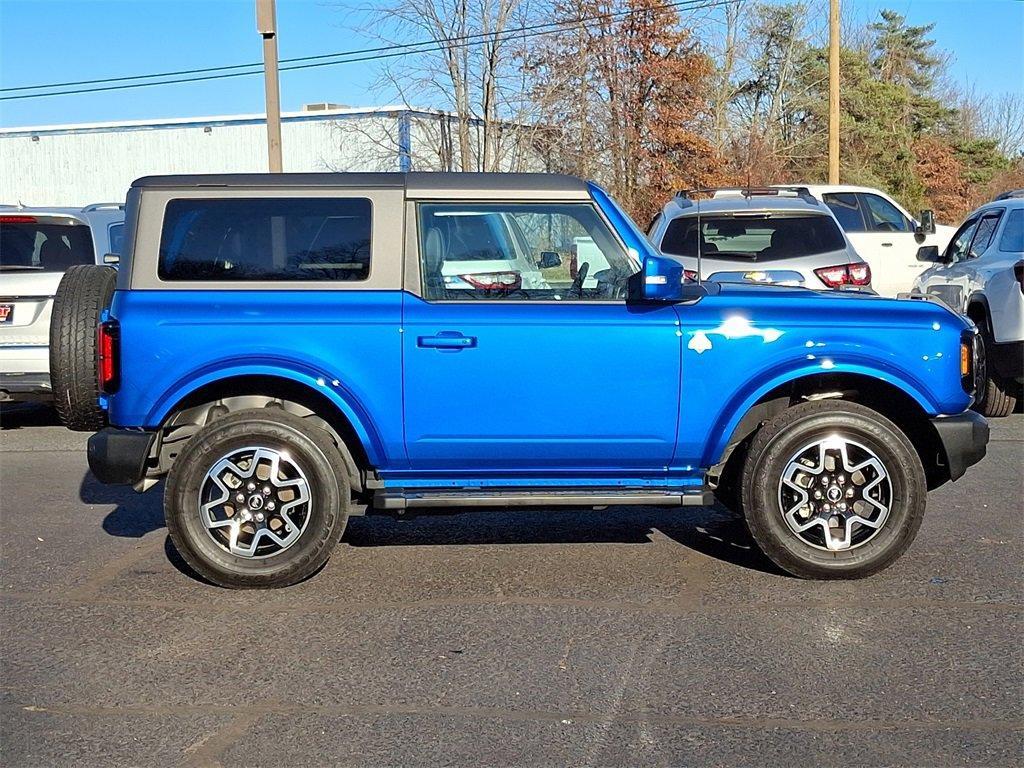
(103, 207)
(1012, 194)
(803, 193)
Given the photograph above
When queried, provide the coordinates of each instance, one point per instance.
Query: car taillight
(690, 275)
(845, 274)
(108, 338)
(17, 219)
(1018, 271)
(495, 281)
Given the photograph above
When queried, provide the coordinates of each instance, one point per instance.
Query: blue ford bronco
(289, 350)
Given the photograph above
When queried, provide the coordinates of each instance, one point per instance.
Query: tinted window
(28, 246)
(115, 233)
(266, 239)
(1012, 239)
(983, 235)
(846, 209)
(958, 246)
(883, 216)
(554, 252)
(753, 237)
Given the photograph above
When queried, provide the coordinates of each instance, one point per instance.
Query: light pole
(266, 25)
(833, 92)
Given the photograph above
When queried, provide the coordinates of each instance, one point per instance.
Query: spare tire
(84, 292)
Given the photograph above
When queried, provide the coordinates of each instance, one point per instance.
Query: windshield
(30, 246)
(763, 236)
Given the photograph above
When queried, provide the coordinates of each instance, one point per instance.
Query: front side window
(1012, 239)
(883, 216)
(28, 244)
(749, 238)
(958, 246)
(520, 252)
(846, 209)
(261, 239)
(983, 235)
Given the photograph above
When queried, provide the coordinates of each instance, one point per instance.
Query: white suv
(882, 233)
(981, 274)
(37, 245)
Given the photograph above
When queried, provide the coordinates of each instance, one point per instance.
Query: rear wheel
(256, 500)
(832, 489)
(84, 292)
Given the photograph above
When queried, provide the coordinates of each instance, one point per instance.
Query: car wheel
(995, 397)
(832, 489)
(82, 296)
(256, 500)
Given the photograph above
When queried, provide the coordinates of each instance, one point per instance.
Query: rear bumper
(964, 439)
(118, 456)
(25, 386)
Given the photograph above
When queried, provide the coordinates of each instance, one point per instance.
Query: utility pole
(833, 91)
(266, 25)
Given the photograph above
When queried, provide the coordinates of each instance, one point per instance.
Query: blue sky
(43, 41)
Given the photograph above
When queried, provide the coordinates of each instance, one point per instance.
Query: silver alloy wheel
(835, 494)
(255, 502)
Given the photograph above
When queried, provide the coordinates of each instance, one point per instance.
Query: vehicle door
(884, 237)
(945, 279)
(565, 378)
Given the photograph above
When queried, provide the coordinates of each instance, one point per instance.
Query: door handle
(451, 340)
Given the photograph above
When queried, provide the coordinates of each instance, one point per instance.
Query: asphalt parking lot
(625, 636)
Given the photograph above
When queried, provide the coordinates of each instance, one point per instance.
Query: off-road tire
(777, 441)
(312, 449)
(995, 397)
(84, 292)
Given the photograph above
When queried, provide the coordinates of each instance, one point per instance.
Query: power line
(377, 53)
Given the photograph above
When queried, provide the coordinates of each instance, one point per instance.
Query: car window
(883, 216)
(520, 252)
(1012, 239)
(115, 234)
(958, 245)
(846, 208)
(27, 245)
(753, 237)
(983, 234)
(266, 239)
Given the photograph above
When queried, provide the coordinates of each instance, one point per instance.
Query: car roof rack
(804, 193)
(1012, 194)
(103, 207)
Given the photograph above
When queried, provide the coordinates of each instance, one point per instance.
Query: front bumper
(118, 456)
(964, 439)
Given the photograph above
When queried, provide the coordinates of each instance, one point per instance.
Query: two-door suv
(290, 350)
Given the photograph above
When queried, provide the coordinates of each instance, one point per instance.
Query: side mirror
(929, 253)
(111, 259)
(549, 259)
(927, 224)
(664, 280)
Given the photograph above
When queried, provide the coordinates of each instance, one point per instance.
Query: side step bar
(397, 498)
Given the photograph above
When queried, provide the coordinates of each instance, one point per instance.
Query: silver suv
(37, 246)
(981, 274)
(782, 236)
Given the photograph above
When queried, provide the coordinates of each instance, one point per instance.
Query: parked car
(37, 245)
(883, 233)
(281, 388)
(760, 236)
(981, 275)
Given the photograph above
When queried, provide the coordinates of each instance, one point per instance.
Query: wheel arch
(894, 402)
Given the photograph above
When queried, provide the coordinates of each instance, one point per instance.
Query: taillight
(845, 274)
(1018, 271)
(108, 338)
(17, 219)
(495, 281)
(690, 275)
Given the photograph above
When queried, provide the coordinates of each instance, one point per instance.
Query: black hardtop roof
(415, 182)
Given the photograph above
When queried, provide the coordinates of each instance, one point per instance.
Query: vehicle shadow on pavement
(20, 415)
(712, 531)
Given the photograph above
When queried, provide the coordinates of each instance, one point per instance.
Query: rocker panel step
(397, 498)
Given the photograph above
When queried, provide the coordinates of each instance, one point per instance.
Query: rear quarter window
(1012, 239)
(265, 239)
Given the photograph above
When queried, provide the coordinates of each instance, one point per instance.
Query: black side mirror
(927, 224)
(549, 259)
(929, 253)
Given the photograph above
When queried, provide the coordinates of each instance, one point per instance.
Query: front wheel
(256, 500)
(832, 489)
